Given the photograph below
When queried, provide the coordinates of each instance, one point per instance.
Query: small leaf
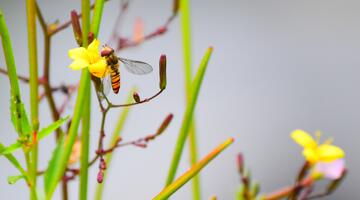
(55, 160)
(13, 179)
(13, 160)
(51, 128)
(19, 117)
(11, 148)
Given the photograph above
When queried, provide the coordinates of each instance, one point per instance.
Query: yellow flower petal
(99, 69)
(94, 45)
(78, 53)
(310, 155)
(303, 139)
(78, 64)
(328, 153)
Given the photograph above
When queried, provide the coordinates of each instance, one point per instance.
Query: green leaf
(195, 169)
(19, 117)
(49, 175)
(11, 148)
(51, 128)
(187, 118)
(13, 160)
(13, 179)
(43, 133)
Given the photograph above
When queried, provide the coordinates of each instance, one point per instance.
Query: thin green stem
(31, 26)
(95, 23)
(186, 38)
(114, 138)
(188, 117)
(195, 169)
(34, 85)
(85, 144)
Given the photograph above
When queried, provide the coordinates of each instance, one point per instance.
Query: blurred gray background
(277, 66)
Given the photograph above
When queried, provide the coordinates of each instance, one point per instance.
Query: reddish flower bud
(102, 164)
(165, 124)
(136, 97)
(76, 27)
(90, 37)
(100, 176)
(162, 71)
(240, 163)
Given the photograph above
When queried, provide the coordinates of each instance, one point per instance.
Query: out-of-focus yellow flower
(89, 57)
(75, 152)
(315, 152)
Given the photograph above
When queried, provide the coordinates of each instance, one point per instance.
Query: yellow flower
(89, 57)
(315, 152)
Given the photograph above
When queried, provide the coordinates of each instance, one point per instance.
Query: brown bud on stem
(176, 4)
(136, 97)
(165, 124)
(240, 163)
(90, 37)
(76, 27)
(162, 71)
(102, 164)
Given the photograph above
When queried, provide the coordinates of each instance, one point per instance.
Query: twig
(22, 78)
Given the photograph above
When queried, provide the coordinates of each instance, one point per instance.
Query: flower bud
(176, 4)
(76, 27)
(164, 124)
(90, 37)
(240, 163)
(136, 97)
(162, 71)
(102, 164)
(100, 176)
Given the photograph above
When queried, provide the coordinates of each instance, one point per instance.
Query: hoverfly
(112, 73)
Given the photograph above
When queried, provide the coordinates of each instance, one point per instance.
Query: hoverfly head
(106, 51)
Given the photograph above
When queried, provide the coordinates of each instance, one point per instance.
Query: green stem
(85, 139)
(34, 106)
(186, 37)
(195, 169)
(188, 117)
(85, 144)
(95, 23)
(114, 138)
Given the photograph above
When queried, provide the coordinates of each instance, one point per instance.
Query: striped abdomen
(115, 78)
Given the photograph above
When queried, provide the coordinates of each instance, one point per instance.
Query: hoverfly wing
(136, 67)
(105, 86)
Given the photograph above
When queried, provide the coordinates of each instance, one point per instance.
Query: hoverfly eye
(106, 51)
